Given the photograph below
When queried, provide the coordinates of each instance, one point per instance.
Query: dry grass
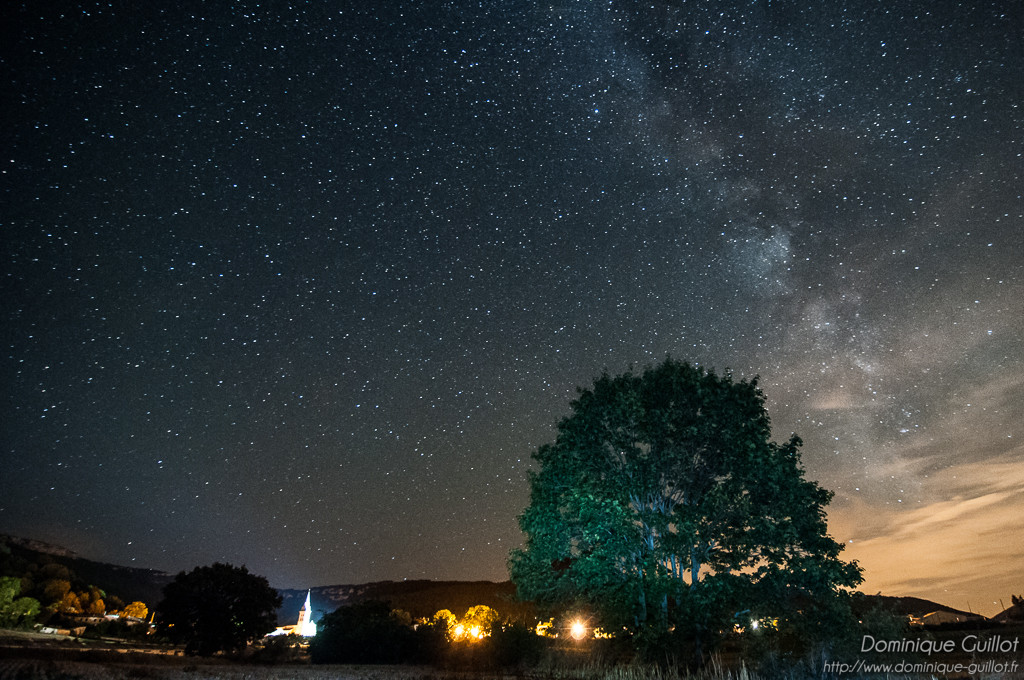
(43, 669)
(36, 669)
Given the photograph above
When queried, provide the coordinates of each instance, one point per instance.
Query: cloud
(962, 550)
(836, 400)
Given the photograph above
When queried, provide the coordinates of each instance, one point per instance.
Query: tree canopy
(218, 608)
(15, 611)
(664, 505)
(369, 632)
(136, 610)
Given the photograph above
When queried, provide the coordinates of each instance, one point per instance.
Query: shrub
(368, 632)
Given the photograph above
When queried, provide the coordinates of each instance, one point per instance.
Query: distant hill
(38, 546)
(906, 606)
(1014, 613)
(420, 598)
(128, 583)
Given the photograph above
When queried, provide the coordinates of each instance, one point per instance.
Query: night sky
(301, 286)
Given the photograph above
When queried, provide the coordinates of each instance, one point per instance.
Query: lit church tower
(306, 627)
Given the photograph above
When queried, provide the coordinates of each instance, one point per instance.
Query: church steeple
(306, 627)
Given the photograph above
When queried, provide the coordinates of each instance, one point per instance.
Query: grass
(49, 669)
(26, 658)
(43, 669)
(189, 669)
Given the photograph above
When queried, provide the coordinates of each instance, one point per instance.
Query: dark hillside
(906, 606)
(23, 557)
(420, 598)
(19, 557)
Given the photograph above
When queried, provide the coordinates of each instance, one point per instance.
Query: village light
(578, 630)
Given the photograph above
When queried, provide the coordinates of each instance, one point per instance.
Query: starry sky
(302, 285)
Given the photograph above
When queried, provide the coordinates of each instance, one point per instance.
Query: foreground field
(67, 660)
(31, 656)
(37, 669)
(28, 656)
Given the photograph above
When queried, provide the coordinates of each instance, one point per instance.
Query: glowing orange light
(578, 630)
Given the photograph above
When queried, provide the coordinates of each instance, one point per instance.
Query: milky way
(302, 287)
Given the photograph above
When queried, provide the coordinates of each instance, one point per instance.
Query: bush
(16, 611)
(369, 632)
(516, 646)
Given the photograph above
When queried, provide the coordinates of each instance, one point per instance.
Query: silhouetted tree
(218, 608)
(663, 507)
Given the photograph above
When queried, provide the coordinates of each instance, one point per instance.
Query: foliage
(482, 640)
(662, 505)
(36, 569)
(883, 624)
(218, 608)
(482, 616)
(136, 610)
(478, 622)
(445, 621)
(516, 646)
(58, 589)
(15, 611)
(371, 632)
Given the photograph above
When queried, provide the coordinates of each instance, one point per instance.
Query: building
(305, 626)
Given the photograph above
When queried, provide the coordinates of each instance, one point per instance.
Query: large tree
(664, 505)
(218, 608)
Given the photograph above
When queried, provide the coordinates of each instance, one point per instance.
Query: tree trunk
(642, 616)
(698, 646)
